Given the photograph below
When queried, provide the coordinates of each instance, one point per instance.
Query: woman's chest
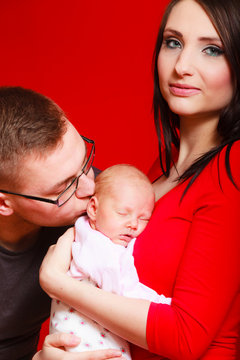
(159, 249)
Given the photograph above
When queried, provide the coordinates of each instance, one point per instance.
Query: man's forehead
(56, 164)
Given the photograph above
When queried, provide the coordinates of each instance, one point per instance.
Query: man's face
(48, 177)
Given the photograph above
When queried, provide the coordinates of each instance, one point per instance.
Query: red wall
(93, 57)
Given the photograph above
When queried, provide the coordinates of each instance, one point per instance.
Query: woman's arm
(99, 305)
(206, 284)
(204, 315)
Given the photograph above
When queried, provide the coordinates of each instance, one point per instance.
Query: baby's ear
(5, 205)
(92, 207)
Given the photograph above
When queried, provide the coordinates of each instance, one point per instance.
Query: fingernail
(117, 353)
(74, 340)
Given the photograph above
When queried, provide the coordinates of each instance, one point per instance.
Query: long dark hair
(225, 15)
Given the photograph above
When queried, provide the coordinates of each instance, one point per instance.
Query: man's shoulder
(50, 235)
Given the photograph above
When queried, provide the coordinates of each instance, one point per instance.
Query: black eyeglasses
(71, 189)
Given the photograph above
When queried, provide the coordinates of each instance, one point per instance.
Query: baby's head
(122, 204)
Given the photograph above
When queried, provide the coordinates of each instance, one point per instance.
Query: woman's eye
(172, 43)
(213, 51)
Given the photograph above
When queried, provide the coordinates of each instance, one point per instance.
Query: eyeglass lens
(68, 193)
(89, 157)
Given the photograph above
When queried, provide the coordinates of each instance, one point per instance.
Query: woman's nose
(86, 185)
(185, 63)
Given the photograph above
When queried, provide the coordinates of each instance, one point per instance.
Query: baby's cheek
(142, 227)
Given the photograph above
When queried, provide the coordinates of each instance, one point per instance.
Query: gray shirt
(23, 304)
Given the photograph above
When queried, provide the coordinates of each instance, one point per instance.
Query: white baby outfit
(109, 266)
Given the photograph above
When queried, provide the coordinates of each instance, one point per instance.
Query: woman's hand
(56, 262)
(53, 350)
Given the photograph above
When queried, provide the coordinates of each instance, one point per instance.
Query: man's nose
(86, 185)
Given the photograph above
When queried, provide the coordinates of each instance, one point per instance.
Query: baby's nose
(133, 223)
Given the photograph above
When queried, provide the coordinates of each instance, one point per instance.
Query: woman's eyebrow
(201, 38)
(175, 32)
(210, 39)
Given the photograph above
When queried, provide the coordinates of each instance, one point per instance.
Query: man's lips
(183, 90)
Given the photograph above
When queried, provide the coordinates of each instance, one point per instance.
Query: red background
(94, 58)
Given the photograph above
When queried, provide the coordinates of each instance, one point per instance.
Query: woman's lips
(183, 90)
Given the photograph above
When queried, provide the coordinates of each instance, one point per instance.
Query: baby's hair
(133, 175)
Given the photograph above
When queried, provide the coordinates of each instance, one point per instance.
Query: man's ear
(92, 207)
(5, 205)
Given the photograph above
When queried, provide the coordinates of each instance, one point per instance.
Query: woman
(190, 249)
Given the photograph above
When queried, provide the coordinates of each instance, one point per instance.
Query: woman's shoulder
(235, 150)
(228, 166)
(232, 158)
(155, 170)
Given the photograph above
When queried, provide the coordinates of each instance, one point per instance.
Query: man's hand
(53, 349)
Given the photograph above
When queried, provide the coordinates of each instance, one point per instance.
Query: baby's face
(124, 213)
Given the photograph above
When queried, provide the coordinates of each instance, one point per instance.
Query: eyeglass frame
(56, 201)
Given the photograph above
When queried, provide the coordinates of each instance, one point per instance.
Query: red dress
(191, 252)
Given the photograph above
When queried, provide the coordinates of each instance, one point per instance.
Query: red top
(191, 252)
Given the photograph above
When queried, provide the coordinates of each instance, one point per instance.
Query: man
(46, 180)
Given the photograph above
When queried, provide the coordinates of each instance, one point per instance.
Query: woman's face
(194, 75)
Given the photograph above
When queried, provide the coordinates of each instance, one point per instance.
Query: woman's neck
(197, 136)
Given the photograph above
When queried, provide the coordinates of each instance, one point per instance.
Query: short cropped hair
(30, 123)
(104, 181)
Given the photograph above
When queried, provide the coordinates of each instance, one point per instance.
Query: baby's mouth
(126, 237)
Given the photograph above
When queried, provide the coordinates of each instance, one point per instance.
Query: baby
(102, 252)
